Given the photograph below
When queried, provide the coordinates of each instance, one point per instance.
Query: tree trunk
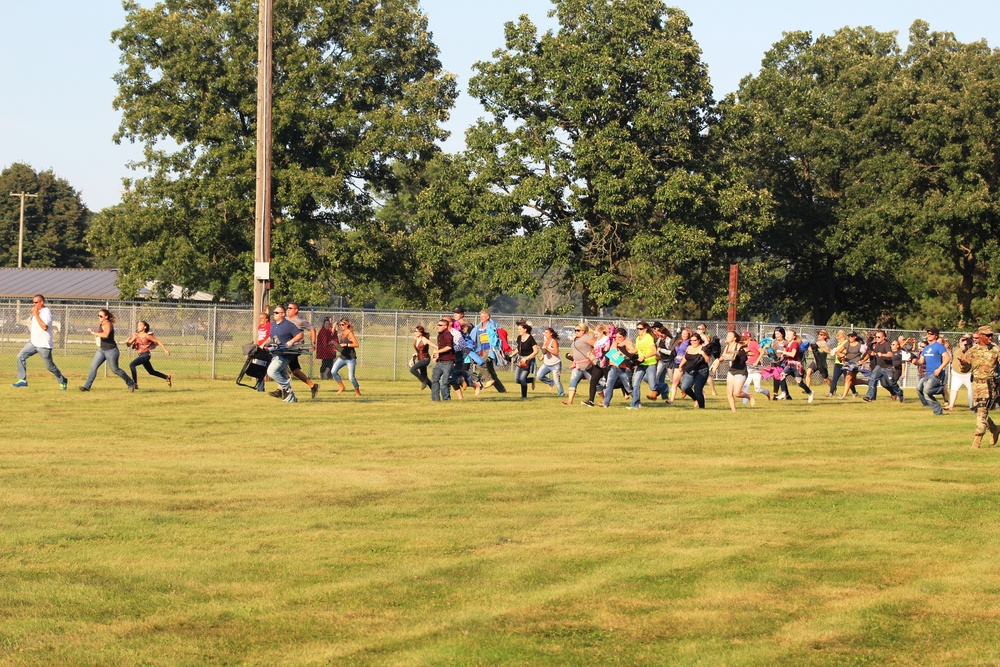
(589, 305)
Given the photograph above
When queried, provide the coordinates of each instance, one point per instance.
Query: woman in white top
(551, 363)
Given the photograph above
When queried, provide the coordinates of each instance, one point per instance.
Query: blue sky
(57, 60)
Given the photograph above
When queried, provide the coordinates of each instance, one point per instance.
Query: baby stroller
(255, 366)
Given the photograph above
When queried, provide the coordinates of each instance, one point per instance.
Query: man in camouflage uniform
(983, 356)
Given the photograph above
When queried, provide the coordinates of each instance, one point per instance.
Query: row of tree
(851, 179)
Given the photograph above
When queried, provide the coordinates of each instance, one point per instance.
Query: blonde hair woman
(348, 356)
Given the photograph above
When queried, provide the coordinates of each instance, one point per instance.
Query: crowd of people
(673, 365)
(683, 363)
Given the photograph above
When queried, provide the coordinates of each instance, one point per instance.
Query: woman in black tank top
(107, 350)
(348, 356)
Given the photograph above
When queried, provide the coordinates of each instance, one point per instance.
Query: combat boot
(995, 432)
(976, 441)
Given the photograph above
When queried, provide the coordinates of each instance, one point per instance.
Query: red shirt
(263, 333)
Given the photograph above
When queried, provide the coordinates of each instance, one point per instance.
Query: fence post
(215, 329)
(395, 344)
(361, 352)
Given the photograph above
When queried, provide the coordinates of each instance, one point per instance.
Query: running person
(143, 342)
(107, 351)
(581, 355)
(735, 352)
(551, 362)
(349, 356)
(39, 342)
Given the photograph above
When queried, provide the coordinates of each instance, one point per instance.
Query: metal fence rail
(206, 340)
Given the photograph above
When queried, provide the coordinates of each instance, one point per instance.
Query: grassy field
(209, 524)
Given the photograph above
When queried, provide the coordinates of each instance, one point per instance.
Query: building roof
(59, 283)
(75, 284)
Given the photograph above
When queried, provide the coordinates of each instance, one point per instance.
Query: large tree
(55, 221)
(597, 140)
(357, 87)
(816, 133)
(950, 94)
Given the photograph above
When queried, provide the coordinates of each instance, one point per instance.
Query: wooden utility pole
(20, 235)
(262, 208)
(734, 282)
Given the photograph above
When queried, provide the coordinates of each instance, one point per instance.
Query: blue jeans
(615, 375)
(45, 353)
(110, 356)
(693, 384)
(576, 376)
(143, 360)
(277, 370)
(350, 363)
(440, 391)
(927, 387)
(556, 371)
(647, 373)
(521, 377)
(883, 375)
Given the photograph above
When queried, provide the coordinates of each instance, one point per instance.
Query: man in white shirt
(40, 343)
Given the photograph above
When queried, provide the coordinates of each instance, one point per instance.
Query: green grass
(209, 524)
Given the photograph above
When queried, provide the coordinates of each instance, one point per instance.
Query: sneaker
(62, 385)
(277, 393)
(489, 383)
(812, 396)
(291, 398)
(588, 404)
(829, 395)
(869, 400)
(131, 387)
(314, 390)
(20, 383)
(84, 389)
(781, 396)
(632, 407)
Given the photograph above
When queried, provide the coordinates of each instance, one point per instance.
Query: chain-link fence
(207, 340)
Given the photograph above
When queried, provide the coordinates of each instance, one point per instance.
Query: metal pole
(262, 208)
(20, 235)
(215, 330)
(395, 345)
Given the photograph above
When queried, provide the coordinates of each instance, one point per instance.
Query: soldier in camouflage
(984, 357)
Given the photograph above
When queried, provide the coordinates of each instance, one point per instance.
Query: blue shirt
(283, 332)
(933, 354)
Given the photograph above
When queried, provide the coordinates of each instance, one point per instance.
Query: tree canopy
(55, 222)
(851, 179)
(357, 87)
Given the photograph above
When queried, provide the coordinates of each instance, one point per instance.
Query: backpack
(504, 343)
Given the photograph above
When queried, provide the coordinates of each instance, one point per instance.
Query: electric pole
(20, 235)
(262, 207)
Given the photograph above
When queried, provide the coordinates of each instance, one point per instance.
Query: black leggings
(143, 360)
(596, 373)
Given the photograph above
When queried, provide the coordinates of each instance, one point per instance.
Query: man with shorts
(40, 343)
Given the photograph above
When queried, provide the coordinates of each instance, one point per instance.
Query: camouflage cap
(985, 330)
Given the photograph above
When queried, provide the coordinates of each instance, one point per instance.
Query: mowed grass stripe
(210, 524)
